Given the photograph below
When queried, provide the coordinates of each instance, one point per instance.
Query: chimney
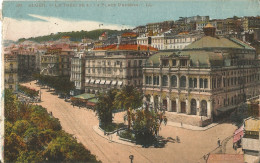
(209, 30)
(118, 41)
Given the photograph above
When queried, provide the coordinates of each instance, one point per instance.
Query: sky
(23, 19)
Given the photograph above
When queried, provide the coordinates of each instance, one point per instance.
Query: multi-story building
(250, 23)
(209, 77)
(114, 66)
(166, 42)
(56, 62)
(251, 140)
(197, 18)
(159, 27)
(10, 71)
(27, 64)
(78, 72)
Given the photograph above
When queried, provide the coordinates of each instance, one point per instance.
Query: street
(79, 122)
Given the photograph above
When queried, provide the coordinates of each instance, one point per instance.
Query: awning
(102, 82)
(108, 82)
(92, 81)
(239, 133)
(97, 82)
(114, 82)
(224, 109)
(120, 83)
(87, 80)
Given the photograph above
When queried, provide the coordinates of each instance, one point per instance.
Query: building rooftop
(218, 42)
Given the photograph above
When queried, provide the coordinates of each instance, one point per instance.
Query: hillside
(74, 35)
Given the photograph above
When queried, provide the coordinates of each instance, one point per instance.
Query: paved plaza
(80, 122)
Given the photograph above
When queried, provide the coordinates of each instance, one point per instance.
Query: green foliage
(66, 149)
(61, 84)
(31, 135)
(28, 91)
(105, 107)
(129, 98)
(112, 127)
(11, 106)
(238, 116)
(74, 35)
(127, 135)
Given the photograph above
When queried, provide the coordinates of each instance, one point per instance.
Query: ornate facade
(210, 76)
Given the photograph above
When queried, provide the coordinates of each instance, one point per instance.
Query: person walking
(219, 142)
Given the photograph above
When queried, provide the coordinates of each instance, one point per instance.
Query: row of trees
(28, 91)
(144, 123)
(32, 135)
(61, 84)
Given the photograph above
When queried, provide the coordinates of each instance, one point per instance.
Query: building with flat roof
(114, 66)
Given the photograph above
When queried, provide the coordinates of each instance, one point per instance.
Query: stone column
(198, 107)
(144, 80)
(178, 105)
(209, 83)
(160, 80)
(209, 108)
(188, 110)
(152, 80)
(159, 101)
(169, 104)
(187, 82)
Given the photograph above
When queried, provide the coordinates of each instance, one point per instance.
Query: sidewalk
(113, 137)
(190, 127)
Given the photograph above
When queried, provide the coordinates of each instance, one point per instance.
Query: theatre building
(114, 66)
(211, 76)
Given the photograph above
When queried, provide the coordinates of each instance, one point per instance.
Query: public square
(80, 121)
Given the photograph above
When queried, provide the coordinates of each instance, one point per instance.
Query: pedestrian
(219, 142)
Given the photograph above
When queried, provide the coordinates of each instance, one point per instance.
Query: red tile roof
(127, 47)
(226, 158)
(129, 34)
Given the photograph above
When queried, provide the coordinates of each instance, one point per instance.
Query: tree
(105, 106)
(11, 106)
(129, 98)
(146, 125)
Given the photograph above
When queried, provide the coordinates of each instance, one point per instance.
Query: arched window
(205, 83)
(195, 82)
(193, 106)
(164, 80)
(183, 81)
(190, 83)
(201, 83)
(173, 81)
(150, 80)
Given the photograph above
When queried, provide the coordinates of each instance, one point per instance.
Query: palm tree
(105, 107)
(129, 98)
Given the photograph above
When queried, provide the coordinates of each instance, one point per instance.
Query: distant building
(211, 76)
(159, 27)
(10, 72)
(56, 62)
(166, 42)
(250, 23)
(114, 66)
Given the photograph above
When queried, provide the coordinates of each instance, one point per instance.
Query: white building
(165, 42)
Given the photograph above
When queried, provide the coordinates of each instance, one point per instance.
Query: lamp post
(131, 157)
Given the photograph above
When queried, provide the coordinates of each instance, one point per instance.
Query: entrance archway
(183, 107)
(193, 105)
(174, 106)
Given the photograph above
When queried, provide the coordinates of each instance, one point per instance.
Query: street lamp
(131, 157)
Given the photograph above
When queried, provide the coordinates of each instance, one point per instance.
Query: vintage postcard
(140, 81)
